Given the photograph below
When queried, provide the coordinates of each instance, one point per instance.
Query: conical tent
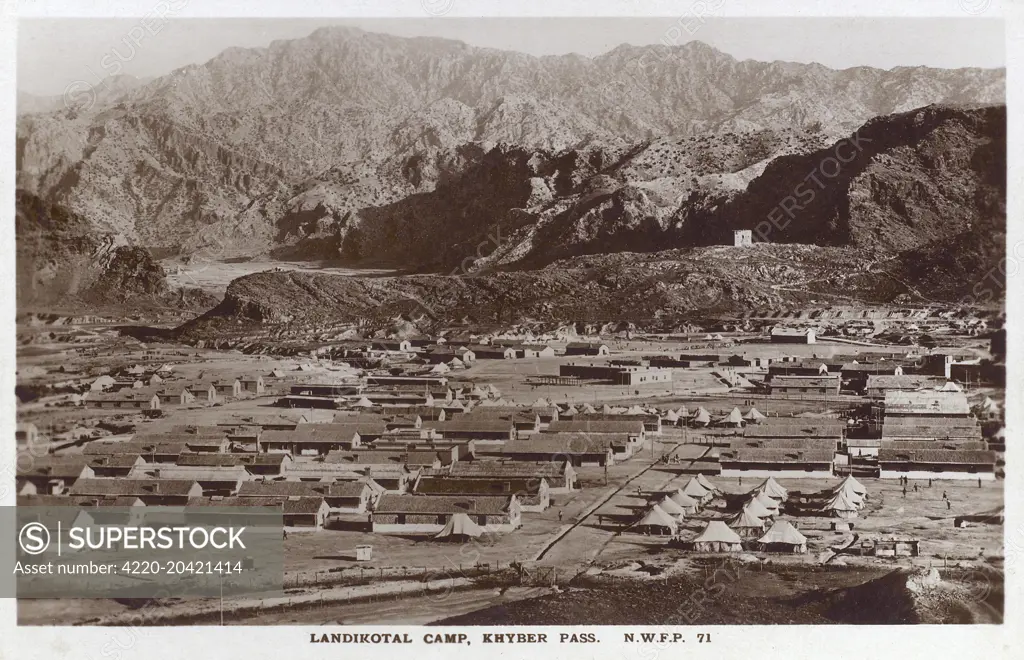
(455, 404)
(440, 368)
(756, 509)
(657, 518)
(460, 526)
(856, 499)
(694, 489)
(671, 507)
(747, 524)
(734, 418)
(688, 504)
(851, 484)
(570, 412)
(989, 405)
(589, 409)
(634, 410)
(682, 412)
(950, 386)
(477, 392)
(768, 503)
(840, 506)
(753, 415)
(606, 409)
(772, 489)
(703, 481)
(671, 417)
(783, 537)
(363, 402)
(493, 391)
(541, 403)
(717, 537)
(701, 416)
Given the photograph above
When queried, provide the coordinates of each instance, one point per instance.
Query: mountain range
(430, 155)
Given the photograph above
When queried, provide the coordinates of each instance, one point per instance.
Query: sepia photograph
(480, 322)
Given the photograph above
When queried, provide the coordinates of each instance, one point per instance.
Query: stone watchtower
(742, 238)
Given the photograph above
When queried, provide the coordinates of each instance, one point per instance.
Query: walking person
(949, 505)
(904, 492)
(915, 488)
(944, 496)
(979, 482)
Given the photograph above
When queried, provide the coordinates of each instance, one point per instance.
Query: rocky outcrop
(338, 133)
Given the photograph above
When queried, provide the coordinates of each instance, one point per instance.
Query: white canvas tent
(756, 509)
(772, 489)
(734, 419)
(840, 506)
(717, 537)
(768, 503)
(671, 508)
(746, 524)
(688, 504)
(363, 402)
(702, 417)
(460, 526)
(754, 415)
(850, 483)
(703, 481)
(694, 489)
(657, 521)
(783, 537)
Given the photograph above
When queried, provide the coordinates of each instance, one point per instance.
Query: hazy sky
(54, 53)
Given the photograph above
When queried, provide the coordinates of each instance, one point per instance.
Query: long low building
(479, 428)
(910, 429)
(561, 476)
(958, 464)
(932, 444)
(153, 492)
(580, 449)
(303, 512)
(933, 404)
(428, 514)
(808, 386)
(789, 463)
(877, 386)
(354, 497)
(822, 430)
(616, 374)
(533, 494)
(784, 443)
(651, 422)
(629, 426)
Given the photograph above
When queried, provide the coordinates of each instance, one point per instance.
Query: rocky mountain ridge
(323, 146)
